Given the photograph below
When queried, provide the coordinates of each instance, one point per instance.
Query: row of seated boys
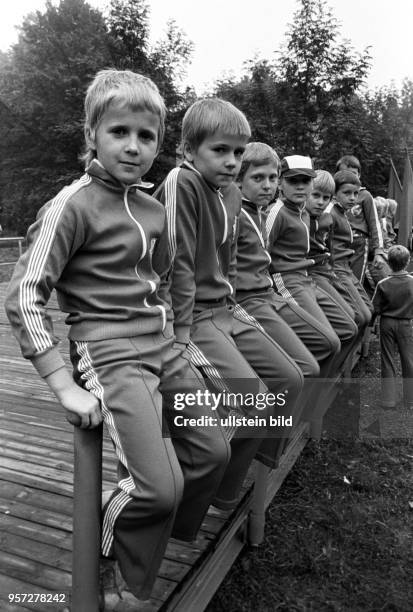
(196, 288)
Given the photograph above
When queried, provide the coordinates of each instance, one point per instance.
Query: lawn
(339, 533)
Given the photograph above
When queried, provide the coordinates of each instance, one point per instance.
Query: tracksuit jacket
(342, 234)
(393, 296)
(288, 237)
(97, 242)
(203, 263)
(320, 242)
(253, 258)
(364, 219)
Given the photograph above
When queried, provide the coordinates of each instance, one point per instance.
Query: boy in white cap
(288, 243)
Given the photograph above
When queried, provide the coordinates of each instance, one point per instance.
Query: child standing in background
(393, 301)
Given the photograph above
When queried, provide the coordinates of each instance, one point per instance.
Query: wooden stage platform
(36, 500)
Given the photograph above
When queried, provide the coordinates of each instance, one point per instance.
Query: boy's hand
(179, 346)
(82, 407)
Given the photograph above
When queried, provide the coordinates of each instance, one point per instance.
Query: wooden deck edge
(287, 461)
(198, 589)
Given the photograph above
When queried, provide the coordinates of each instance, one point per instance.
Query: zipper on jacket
(151, 283)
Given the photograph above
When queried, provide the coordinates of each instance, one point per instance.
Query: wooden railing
(10, 241)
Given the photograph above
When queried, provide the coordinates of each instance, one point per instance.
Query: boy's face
(317, 202)
(126, 142)
(218, 157)
(347, 195)
(259, 183)
(297, 188)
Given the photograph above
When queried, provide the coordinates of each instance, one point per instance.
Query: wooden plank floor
(36, 498)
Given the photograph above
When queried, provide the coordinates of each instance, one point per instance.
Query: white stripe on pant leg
(200, 361)
(279, 284)
(243, 315)
(126, 485)
(112, 511)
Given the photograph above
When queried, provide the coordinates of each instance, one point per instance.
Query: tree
(43, 80)
(319, 77)
(310, 92)
(256, 94)
(42, 84)
(164, 62)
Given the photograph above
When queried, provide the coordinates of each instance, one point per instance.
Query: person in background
(393, 301)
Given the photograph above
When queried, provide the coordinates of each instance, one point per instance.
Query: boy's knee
(166, 493)
(291, 379)
(220, 452)
(295, 380)
(352, 330)
(334, 344)
(216, 453)
(368, 317)
(312, 369)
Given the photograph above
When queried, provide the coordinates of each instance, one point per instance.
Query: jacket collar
(293, 207)
(98, 171)
(186, 164)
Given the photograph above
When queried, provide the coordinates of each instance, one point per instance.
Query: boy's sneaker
(114, 594)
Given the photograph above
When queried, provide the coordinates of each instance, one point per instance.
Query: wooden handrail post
(87, 501)
(256, 523)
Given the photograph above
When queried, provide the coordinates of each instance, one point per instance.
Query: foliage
(312, 99)
(43, 79)
(309, 87)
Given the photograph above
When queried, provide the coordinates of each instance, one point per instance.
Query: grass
(338, 534)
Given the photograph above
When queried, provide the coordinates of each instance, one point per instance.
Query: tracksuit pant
(396, 335)
(358, 261)
(320, 340)
(233, 351)
(352, 291)
(154, 490)
(265, 307)
(338, 323)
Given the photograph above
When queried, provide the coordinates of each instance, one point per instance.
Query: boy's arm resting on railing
(34, 278)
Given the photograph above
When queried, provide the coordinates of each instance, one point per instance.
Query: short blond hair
(324, 182)
(258, 154)
(205, 117)
(381, 205)
(133, 89)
